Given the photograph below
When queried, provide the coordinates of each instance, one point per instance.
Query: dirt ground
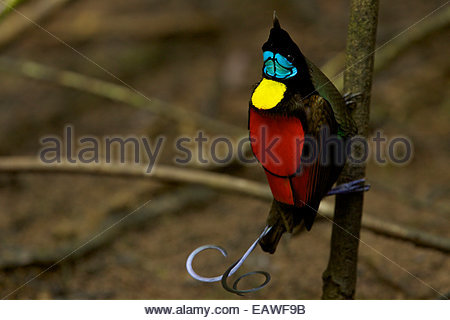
(206, 56)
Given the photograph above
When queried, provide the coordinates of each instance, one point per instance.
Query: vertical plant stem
(339, 279)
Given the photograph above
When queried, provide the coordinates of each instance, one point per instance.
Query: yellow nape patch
(268, 94)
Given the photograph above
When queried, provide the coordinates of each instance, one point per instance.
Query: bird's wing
(318, 176)
(328, 91)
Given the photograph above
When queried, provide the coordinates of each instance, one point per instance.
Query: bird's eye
(290, 58)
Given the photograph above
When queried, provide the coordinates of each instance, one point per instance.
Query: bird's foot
(349, 187)
(351, 98)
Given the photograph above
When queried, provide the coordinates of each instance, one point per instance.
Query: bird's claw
(350, 99)
(350, 187)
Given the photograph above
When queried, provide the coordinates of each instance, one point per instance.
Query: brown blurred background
(206, 56)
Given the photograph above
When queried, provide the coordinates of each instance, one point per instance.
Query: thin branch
(114, 92)
(339, 279)
(14, 25)
(163, 173)
(419, 238)
(218, 181)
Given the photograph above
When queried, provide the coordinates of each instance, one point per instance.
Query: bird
(292, 109)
